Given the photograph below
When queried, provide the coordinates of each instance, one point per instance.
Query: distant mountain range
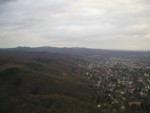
(76, 51)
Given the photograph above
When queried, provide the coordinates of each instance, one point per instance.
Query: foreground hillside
(41, 82)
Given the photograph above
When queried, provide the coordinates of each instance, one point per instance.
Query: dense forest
(40, 82)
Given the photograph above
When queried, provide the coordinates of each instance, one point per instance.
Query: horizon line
(140, 50)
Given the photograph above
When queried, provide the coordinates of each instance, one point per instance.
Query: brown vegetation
(43, 83)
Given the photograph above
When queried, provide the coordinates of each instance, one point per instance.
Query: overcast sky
(105, 24)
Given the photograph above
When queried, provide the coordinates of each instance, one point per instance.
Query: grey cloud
(5, 1)
(75, 22)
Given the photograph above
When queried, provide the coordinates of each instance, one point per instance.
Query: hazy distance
(109, 24)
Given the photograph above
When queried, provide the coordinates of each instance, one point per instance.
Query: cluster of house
(123, 81)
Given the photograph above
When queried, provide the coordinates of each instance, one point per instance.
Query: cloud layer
(110, 24)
